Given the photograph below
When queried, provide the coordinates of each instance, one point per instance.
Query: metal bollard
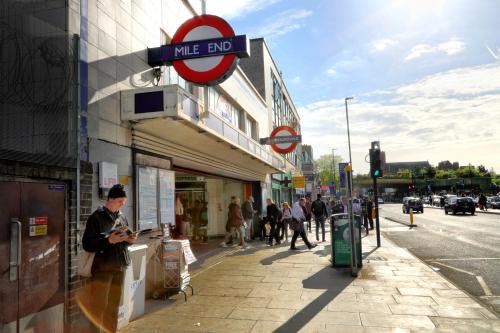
(411, 219)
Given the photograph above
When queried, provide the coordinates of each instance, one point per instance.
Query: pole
(354, 266)
(203, 7)
(375, 198)
(333, 167)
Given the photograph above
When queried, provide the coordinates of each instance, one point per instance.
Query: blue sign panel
(199, 49)
(342, 175)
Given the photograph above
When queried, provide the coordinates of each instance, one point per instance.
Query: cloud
(448, 115)
(331, 71)
(296, 80)
(236, 8)
(381, 44)
(347, 65)
(451, 47)
(495, 55)
(283, 23)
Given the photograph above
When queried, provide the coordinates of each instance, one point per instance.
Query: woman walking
(286, 219)
(297, 224)
(235, 222)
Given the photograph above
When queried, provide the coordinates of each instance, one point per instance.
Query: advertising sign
(342, 175)
(204, 50)
(299, 182)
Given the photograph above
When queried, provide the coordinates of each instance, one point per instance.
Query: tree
(323, 167)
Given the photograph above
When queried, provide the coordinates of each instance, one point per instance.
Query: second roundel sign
(285, 131)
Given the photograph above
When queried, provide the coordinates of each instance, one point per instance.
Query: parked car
(380, 201)
(495, 202)
(488, 202)
(412, 203)
(463, 205)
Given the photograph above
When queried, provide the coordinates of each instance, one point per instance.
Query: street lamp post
(354, 264)
(333, 169)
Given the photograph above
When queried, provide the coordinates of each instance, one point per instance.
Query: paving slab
(271, 289)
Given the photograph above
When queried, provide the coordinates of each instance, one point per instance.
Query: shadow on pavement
(334, 280)
(278, 256)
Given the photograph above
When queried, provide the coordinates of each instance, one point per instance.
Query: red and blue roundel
(207, 70)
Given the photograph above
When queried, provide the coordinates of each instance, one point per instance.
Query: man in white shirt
(297, 225)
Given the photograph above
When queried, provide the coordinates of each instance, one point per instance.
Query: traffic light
(375, 164)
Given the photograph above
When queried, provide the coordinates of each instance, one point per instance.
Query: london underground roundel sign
(211, 36)
(286, 132)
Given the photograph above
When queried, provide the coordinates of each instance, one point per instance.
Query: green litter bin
(341, 243)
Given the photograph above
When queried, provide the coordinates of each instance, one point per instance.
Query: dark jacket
(247, 210)
(273, 213)
(108, 257)
(318, 208)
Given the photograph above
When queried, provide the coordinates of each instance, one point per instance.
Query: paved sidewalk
(272, 289)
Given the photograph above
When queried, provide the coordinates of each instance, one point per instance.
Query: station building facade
(66, 137)
(264, 73)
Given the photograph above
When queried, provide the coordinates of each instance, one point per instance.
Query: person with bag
(235, 222)
(286, 219)
(273, 213)
(108, 236)
(318, 208)
(297, 224)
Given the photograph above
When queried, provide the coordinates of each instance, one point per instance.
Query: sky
(424, 74)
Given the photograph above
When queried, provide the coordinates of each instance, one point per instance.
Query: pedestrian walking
(318, 209)
(482, 201)
(273, 215)
(204, 222)
(248, 213)
(179, 213)
(286, 218)
(308, 213)
(196, 219)
(369, 212)
(108, 235)
(235, 223)
(297, 224)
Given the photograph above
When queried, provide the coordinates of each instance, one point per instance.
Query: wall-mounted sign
(204, 50)
(299, 182)
(108, 174)
(283, 139)
(38, 230)
(38, 220)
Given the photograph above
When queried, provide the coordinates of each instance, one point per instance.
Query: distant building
(394, 167)
(447, 165)
(308, 170)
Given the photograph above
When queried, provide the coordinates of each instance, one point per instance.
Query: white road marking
(454, 268)
(487, 290)
(459, 259)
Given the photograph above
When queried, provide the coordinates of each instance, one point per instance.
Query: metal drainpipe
(76, 105)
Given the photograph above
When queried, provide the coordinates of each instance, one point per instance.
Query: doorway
(32, 257)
